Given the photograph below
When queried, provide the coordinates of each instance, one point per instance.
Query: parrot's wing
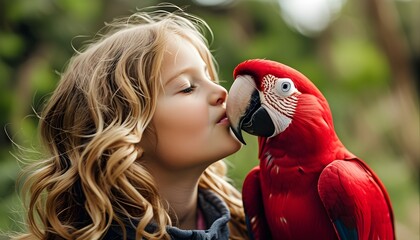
(254, 207)
(356, 201)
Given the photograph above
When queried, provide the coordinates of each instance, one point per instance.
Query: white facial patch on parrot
(280, 98)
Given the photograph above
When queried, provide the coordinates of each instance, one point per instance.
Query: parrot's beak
(244, 109)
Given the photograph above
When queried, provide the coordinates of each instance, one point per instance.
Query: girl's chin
(235, 146)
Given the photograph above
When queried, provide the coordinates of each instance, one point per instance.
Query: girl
(135, 131)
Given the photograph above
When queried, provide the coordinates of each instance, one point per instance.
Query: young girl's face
(190, 124)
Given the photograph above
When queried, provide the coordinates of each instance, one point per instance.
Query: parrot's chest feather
(281, 168)
(290, 193)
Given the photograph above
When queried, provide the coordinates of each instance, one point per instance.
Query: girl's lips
(224, 120)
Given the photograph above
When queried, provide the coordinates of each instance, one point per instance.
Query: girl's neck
(180, 191)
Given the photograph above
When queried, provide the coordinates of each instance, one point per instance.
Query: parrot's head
(268, 99)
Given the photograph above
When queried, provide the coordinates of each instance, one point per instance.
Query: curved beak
(244, 109)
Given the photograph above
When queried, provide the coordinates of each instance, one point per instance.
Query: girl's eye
(188, 89)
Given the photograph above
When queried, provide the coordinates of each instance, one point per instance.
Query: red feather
(353, 195)
(253, 201)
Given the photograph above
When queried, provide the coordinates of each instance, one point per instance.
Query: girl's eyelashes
(188, 89)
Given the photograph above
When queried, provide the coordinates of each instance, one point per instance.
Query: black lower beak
(238, 134)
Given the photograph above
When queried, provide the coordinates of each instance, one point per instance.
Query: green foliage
(10, 45)
(360, 65)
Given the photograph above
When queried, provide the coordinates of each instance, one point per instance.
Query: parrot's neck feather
(280, 153)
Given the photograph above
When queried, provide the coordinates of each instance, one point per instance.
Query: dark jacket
(215, 212)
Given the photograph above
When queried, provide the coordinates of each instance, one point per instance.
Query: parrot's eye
(285, 87)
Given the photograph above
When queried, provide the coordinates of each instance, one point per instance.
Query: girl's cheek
(188, 113)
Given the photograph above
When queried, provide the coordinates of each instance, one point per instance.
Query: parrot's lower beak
(245, 111)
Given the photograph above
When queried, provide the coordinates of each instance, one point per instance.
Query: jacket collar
(215, 212)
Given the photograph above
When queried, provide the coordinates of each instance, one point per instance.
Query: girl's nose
(218, 95)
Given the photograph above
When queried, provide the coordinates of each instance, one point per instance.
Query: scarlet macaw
(307, 185)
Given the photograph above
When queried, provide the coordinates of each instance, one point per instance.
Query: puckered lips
(223, 119)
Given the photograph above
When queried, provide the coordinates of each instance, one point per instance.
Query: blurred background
(364, 55)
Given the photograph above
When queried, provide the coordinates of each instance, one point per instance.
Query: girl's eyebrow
(176, 76)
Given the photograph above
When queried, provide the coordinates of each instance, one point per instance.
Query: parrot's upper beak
(245, 111)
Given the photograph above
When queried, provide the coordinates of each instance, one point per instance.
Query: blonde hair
(92, 125)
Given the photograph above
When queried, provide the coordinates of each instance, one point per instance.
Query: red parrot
(307, 184)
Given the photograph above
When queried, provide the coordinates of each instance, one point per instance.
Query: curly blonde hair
(92, 125)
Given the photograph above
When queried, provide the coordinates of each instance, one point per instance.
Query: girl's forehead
(183, 50)
(180, 55)
(174, 41)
